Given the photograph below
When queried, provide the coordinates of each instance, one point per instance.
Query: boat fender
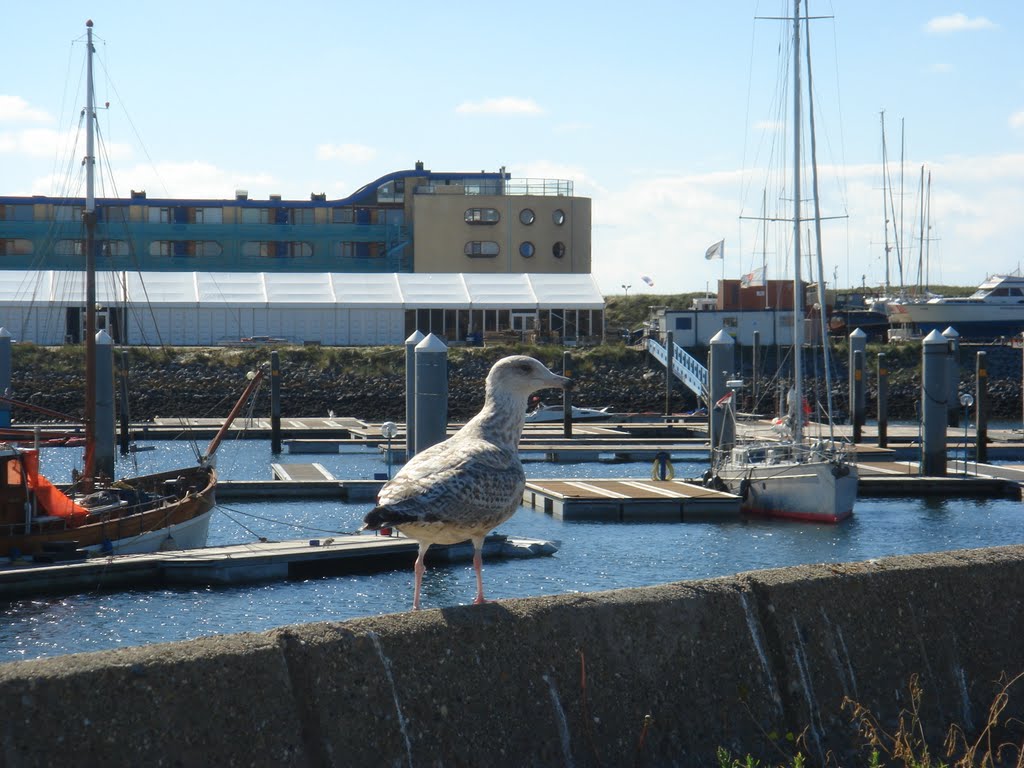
(662, 468)
(744, 488)
(840, 470)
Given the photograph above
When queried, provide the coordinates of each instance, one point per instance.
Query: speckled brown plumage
(464, 487)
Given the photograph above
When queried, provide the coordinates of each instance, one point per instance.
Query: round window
(526, 250)
(527, 216)
(558, 216)
(558, 250)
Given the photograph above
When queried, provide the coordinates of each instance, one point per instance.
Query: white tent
(204, 308)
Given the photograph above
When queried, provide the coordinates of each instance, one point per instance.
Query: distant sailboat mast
(885, 206)
(796, 407)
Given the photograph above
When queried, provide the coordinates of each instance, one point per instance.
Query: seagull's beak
(562, 382)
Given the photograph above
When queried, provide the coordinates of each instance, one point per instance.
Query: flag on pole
(752, 279)
(724, 400)
(716, 251)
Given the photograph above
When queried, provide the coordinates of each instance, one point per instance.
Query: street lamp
(389, 430)
(626, 288)
(966, 400)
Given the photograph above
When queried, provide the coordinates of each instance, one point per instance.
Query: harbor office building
(741, 311)
(461, 255)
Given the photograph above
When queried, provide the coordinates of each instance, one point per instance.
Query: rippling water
(592, 555)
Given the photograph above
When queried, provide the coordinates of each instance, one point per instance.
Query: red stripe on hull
(806, 517)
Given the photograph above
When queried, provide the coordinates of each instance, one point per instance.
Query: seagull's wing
(455, 477)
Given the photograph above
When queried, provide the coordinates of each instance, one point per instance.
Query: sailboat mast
(920, 253)
(823, 325)
(798, 299)
(885, 205)
(89, 219)
(928, 232)
(764, 243)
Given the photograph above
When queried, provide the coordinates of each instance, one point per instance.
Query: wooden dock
(247, 563)
(661, 500)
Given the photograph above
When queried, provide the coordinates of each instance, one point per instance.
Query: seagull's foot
(480, 600)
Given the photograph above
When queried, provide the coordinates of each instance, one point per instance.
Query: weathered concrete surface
(568, 680)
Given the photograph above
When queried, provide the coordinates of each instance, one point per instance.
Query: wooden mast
(89, 219)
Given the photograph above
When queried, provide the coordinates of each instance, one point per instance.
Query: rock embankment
(370, 384)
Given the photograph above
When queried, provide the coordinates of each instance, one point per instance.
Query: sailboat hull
(822, 492)
(142, 514)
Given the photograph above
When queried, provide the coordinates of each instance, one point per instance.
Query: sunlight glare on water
(592, 556)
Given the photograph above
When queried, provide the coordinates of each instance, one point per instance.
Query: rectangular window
(159, 215)
(16, 213)
(684, 323)
(116, 214)
(255, 215)
(301, 216)
(68, 212)
(343, 216)
(209, 215)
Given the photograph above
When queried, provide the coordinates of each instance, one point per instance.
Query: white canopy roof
(434, 290)
(501, 291)
(376, 290)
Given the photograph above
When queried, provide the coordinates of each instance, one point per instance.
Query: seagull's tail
(384, 517)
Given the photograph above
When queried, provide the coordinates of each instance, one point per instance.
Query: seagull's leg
(419, 569)
(478, 567)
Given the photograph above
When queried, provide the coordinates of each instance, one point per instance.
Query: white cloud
(14, 109)
(956, 22)
(1017, 119)
(506, 105)
(349, 153)
(192, 180)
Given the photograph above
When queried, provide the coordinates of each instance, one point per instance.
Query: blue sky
(664, 113)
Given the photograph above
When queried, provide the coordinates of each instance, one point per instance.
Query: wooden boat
(99, 513)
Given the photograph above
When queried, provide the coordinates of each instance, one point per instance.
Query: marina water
(592, 556)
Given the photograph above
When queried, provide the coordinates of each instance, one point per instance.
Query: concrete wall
(565, 680)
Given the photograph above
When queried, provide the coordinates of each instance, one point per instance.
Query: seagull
(465, 486)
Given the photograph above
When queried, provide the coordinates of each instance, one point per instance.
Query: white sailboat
(792, 476)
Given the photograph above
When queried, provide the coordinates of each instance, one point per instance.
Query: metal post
(104, 367)
(670, 346)
(431, 392)
(883, 402)
(981, 409)
(5, 376)
(721, 363)
(125, 438)
(275, 403)
(567, 396)
(858, 396)
(952, 375)
(410, 392)
(755, 365)
(858, 344)
(933, 404)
